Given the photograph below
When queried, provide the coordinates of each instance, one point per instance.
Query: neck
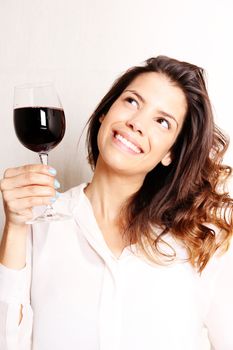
(109, 191)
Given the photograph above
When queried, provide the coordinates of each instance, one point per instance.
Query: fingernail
(56, 184)
(53, 199)
(52, 171)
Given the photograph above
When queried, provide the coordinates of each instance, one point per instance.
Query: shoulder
(220, 265)
(224, 254)
(67, 201)
(74, 192)
(217, 276)
(70, 198)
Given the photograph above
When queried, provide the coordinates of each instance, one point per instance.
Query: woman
(146, 262)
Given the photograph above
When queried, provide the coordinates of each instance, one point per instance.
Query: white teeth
(128, 143)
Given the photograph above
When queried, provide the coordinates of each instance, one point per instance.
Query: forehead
(155, 82)
(160, 92)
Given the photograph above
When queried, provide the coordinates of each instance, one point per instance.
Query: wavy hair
(185, 197)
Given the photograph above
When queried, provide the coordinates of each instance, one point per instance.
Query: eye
(164, 122)
(132, 101)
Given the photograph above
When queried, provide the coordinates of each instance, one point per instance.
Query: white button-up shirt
(77, 295)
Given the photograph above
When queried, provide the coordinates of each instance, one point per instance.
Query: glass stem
(44, 160)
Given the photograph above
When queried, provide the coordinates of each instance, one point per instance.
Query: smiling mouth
(127, 143)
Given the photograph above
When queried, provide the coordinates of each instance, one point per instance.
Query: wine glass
(39, 122)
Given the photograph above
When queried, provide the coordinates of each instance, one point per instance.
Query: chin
(118, 166)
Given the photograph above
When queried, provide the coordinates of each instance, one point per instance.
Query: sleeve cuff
(13, 284)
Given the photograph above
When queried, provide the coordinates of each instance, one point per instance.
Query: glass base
(49, 215)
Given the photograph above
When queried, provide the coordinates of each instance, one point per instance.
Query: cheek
(160, 145)
(108, 120)
(117, 113)
(100, 137)
(104, 135)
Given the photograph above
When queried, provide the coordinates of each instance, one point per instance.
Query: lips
(128, 141)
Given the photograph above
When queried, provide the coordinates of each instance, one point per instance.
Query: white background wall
(82, 45)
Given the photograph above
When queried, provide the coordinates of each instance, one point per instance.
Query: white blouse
(77, 295)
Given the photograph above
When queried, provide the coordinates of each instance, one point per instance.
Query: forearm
(13, 246)
(15, 288)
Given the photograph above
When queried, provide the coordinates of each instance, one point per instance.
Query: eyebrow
(165, 114)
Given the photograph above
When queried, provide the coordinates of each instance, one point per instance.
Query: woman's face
(141, 126)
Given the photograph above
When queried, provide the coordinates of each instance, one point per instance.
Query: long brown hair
(184, 197)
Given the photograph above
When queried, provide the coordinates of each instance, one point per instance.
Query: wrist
(12, 229)
(13, 245)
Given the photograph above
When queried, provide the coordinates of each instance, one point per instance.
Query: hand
(25, 187)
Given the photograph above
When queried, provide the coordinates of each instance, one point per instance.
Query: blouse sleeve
(14, 292)
(219, 319)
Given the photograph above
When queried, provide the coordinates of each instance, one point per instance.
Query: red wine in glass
(39, 122)
(39, 128)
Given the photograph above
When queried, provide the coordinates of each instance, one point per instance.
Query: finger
(18, 206)
(34, 168)
(27, 179)
(29, 191)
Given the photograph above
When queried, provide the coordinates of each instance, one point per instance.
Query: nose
(136, 125)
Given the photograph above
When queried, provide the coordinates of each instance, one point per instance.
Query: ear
(167, 159)
(101, 118)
